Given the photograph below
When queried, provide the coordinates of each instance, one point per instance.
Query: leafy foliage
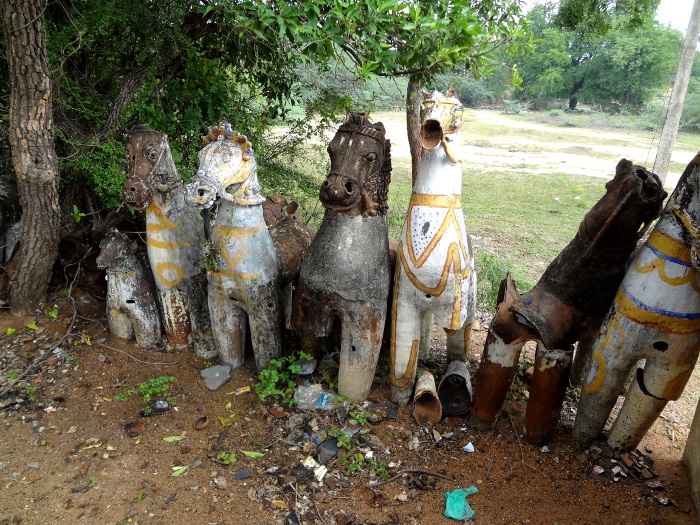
(277, 381)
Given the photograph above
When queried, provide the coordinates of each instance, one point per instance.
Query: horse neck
(681, 217)
(438, 174)
(232, 214)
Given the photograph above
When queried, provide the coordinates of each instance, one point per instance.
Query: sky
(674, 12)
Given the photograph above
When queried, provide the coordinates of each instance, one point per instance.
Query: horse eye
(371, 157)
(152, 153)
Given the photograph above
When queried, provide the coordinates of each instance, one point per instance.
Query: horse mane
(224, 131)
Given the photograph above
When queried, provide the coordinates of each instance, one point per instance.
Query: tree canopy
(624, 66)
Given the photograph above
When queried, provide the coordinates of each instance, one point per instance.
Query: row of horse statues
(616, 302)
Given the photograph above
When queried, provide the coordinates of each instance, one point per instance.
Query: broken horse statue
(655, 316)
(131, 300)
(174, 238)
(346, 273)
(244, 267)
(435, 266)
(567, 304)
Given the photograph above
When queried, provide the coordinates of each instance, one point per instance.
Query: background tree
(33, 154)
(624, 66)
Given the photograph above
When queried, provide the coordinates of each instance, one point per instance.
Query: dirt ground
(71, 452)
(66, 455)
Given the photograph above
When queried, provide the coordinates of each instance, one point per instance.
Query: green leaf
(53, 313)
(32, 325)
(172, 439)
(139, 497)
(252, 454)
(10, 331)
(179, 470)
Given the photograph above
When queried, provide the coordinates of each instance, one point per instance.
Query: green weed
(153, 389)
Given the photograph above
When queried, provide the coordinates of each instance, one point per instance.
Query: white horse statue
(435, 266)
(655, 316)
(245, 276)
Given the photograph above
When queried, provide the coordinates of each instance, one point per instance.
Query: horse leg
(459, 342)
(173, 310)
(146, 324)
(405, 341)
(661, 380)
(603, 381)
(549, 381)
(119, 323)
(496, 373)
(200, 320)
(426, 327)
(228, 322)
(362, 331)
(265, 318)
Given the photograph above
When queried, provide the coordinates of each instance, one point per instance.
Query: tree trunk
(678, 92)
(33, 152)
(413, 100)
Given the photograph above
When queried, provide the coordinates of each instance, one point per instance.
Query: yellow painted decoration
(169, 274)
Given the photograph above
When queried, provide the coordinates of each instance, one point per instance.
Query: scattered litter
(456, 505)
(319, 470)
(598, 469)
(201, 423)
(242, 474)
(544, 449)
(49, 409)
(469, 447)
(242, 390)
(33, 464)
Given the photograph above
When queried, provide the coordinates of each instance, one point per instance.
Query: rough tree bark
(33, 152)
(413, 100)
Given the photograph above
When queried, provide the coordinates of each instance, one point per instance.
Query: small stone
(648, 474)
(242, 474)
(197, 464)
(654, 485)
(134, 428)
(627, 460)
(33, 464)
(661, 498)
(331, 482)
(221, 482)
(216, 376)
(327, 451)
(598, 469)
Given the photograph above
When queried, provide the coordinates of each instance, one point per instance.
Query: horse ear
(379, 127)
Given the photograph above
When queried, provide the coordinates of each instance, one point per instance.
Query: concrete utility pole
(680, 86)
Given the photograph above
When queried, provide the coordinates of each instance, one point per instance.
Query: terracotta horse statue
(346, 271)
(246, 275)
(655, 316)
(435, 266)
(174, 239)
(567, 305)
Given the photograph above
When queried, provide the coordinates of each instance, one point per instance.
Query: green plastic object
(456, 505)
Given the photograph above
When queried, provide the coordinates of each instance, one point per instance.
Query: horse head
(358, 182)
(632, 201)
(151, 166)
(684, 204)
(227, 170)
(441, 117)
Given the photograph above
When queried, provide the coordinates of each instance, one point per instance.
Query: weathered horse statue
(435, 266)
(568, 303)
(655, 316)
(174, 239)
(345, 273)
(131, 299)
(245, 278)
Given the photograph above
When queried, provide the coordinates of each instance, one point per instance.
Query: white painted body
(655, 316)
(245, 283)
(691, 459)
(435, 267)
(174, 238)
(131, 304)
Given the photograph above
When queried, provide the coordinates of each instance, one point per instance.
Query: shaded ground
(78, 464)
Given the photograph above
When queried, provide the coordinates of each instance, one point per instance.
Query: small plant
(30, 391)
(359, 417)
(380, 471)
(210, 260)
(76, 214)
(277, 380)
(53, 313)
(226, 458)
(155, 388)
(12, 374)
(72, 360)
(93, 481)
(10, 331)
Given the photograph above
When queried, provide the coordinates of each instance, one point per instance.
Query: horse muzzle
(340, 193)
(200, 195)
(136, 194)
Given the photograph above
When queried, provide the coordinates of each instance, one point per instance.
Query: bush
(514, 107)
